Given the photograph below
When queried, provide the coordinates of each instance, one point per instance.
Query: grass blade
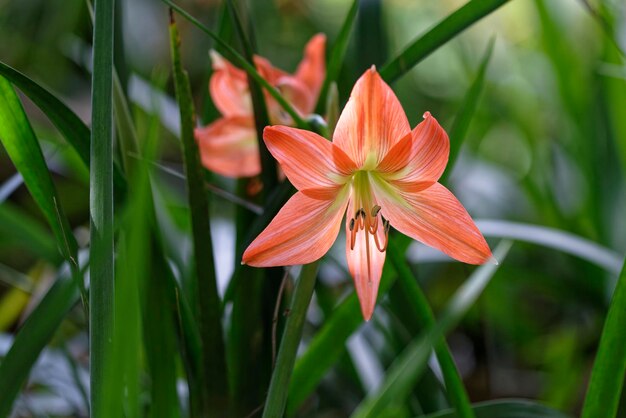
(447, 29)
(423, 312)
(509, 408)
(327, 345)
(279, 385)
(609, 367)
(336, 57)
(102, 255)
(66, 121)
(208, 302)
(403, 373)
(18, 138)
(245, 65)
(466, 112)
(33, 337)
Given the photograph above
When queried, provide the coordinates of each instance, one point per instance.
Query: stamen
(353, 231)
(375, 210)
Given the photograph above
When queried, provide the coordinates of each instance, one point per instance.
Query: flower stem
(279, 385)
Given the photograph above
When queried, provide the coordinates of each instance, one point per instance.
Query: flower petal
(308, 160)
(302, 232)
(229, 88)
(419, 159)
(436, 218)
(372, 122)
(229, 147)
(365, 263)
(312, 69)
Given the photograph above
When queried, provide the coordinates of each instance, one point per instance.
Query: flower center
(366, 220)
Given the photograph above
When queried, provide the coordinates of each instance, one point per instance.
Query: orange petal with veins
(372, 122)
(436, 218)
(419, 159)
(302, 232)
(308, 160)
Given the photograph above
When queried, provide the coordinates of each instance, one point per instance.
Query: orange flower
(378, 170)
(229, 146)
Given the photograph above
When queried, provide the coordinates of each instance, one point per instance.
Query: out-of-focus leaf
(609, 368)
(20, 230)
(445, 30)
(102, 251)
(462, 121)
(336, 57)
(507, 408)
(405, 370)
(33, 337)
(418, 307)
(208, 301)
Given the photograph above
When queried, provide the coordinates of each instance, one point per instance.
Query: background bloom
(229, 146)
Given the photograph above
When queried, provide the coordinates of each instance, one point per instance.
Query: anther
(351, 224)
(375, 211)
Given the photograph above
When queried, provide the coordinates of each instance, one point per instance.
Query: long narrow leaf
(336, 58)
(462, 121)
(403, 373)
(420, 308)
(66, 121)
(102, 255)
(609, 368)
(447, 29)
(208, 302)
(33, 337)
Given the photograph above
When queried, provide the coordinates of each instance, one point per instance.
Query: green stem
(279, 385)
(101, 205)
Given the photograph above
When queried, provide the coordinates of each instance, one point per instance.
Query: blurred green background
(546, 147)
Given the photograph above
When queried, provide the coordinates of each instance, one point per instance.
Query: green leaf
(336, 57)
(22, 231)
(245, 65)
(66, 121)
(609, 367)
(18, 138)
(279, 385)
(208, 301)
(33, 337)
(419, 307)
(447, 29)
(405, 370)
(509, 408)
(102, 256)
(327, 345)
(462, 121)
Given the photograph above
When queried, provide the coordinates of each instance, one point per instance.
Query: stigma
(369, 222)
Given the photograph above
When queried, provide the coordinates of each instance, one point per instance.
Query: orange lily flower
(229, 146)
(382, 174)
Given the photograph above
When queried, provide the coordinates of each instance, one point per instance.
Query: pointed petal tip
(373, 68)
(427, 115)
